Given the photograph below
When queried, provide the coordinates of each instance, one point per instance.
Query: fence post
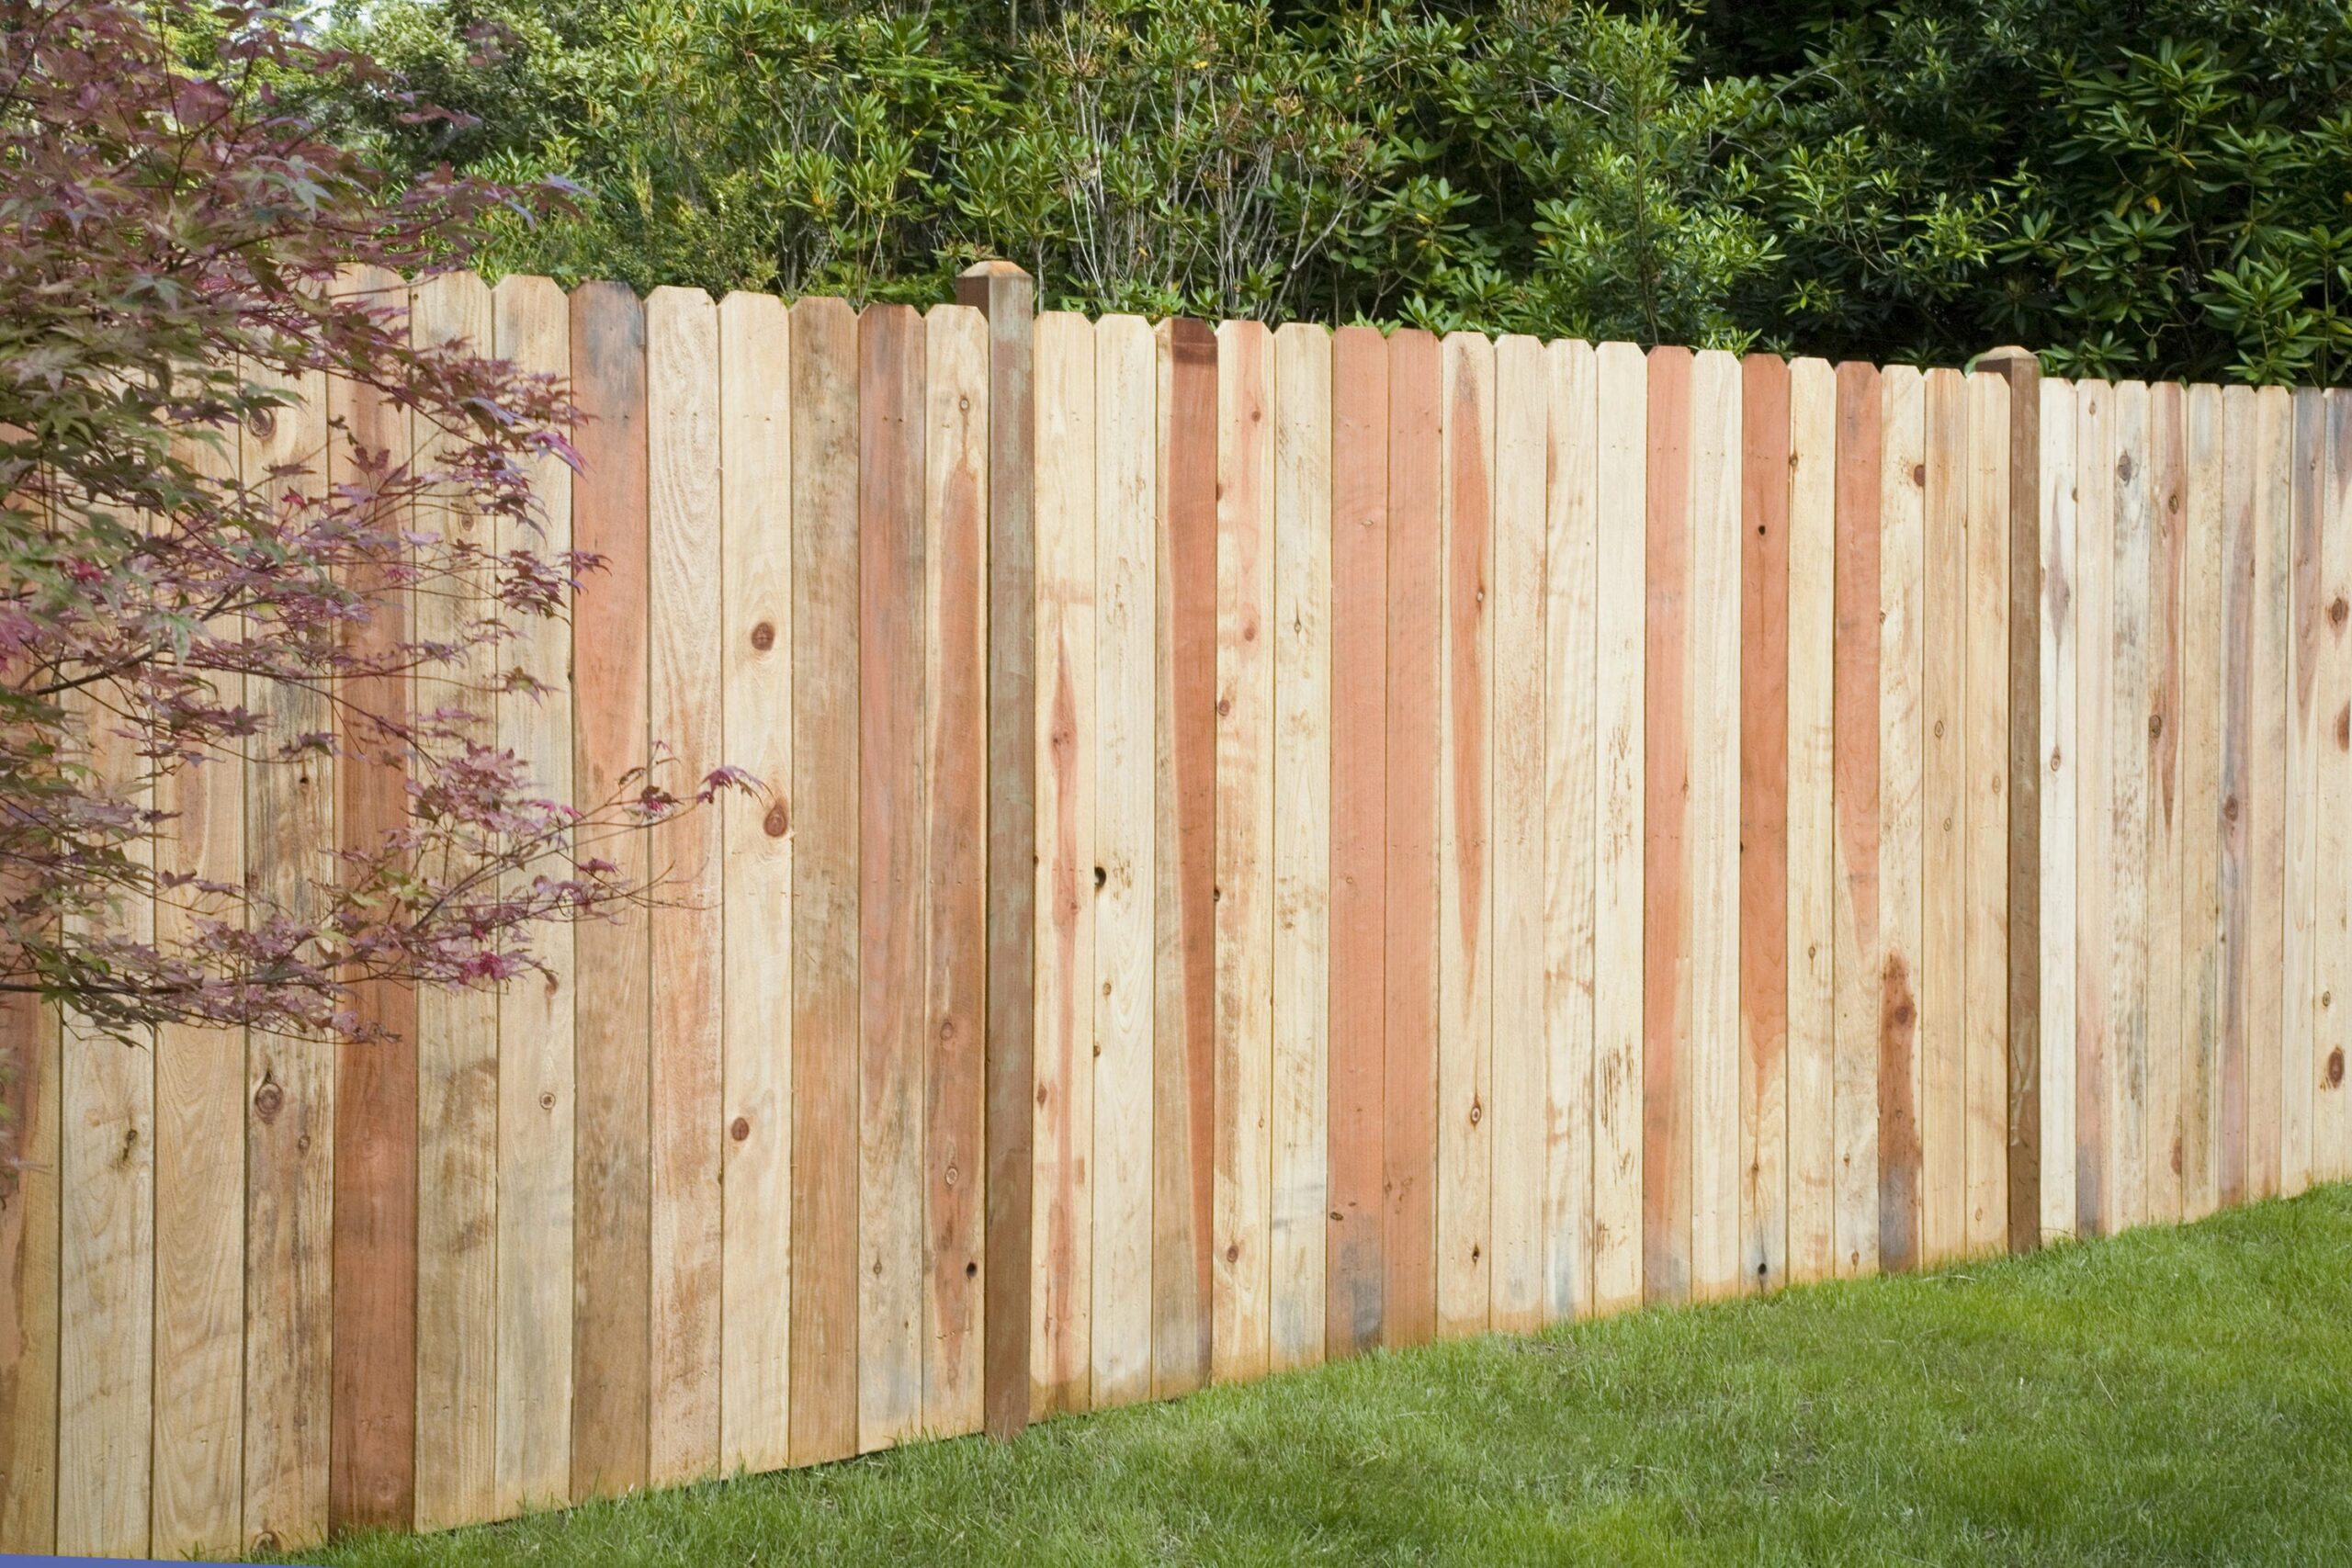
(1005, 293)
(2023, 372)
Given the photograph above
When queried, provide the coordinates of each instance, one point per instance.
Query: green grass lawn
(2173, 1396)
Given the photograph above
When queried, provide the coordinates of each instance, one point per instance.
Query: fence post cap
(2008, 354)
(995, 266)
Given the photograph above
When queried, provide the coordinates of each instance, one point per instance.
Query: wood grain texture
(1005, 293)
(2232, 1171)
(457, 1029)
(1620, 798)
(2093, 602)
(1184, 1132)
(1355, 1263)
(1242, 1240)
(611, 1244)
(1465, 816)
(1669, 1026)
(29, 1210)
(1899, 999)
(1717, 701)
(2127, 889)
(2270, 695)
(1811, 949)
(2300, 1007)
(1858, 947)
(1126, 454)
(2060, 807)
(2332, 1104)
(892, 795)
(1571, 616)
(755, 635)
(1301, 842)
(1061, 1298)
(200, 1174)
(1765, 846)
(955, 698)
(1985, 776)
(289, 1088)
(1946, 704)
(2199, 811)
(2161, 730)
(1521, 1069)
(1415, 422)
(685, 711)
(536, 1089)
(826, 658)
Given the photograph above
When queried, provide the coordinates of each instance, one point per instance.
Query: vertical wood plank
(29, 1208)
(1062, 1295)
(1620, 799)
(2332, 1105)
(1811, 1075)
(1521, 1069)
(456, 1037)
(2128, 891)
(1985, 775)
(827, 658)
(2300, 1009)
(755, 696)
(290, 1127)
(2268, 698)
(1466, 807)
(1902, 823)
(1184, 885)
(611, 1244)
(1764, 810)
(683, 684)
(2199, 810)
(1005, 293)
(1355, 1256)
(1061, 1298)
(1302, 841)
(535, 1086)
(200, 1173)
(1571, 609)
(1668, 1028)
(1245, 829)
(1416, 424)
(1946, 700)
(2233, 1167)
(1857, 948)
(891, 794)
(2094, 603)
(1716, 703)
(2161, 726)
(2060, 805)
(955, 574)
(1127, 452)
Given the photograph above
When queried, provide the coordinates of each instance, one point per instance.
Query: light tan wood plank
(1902, 816)
(1986, 848)
(2094, 746)
(1941, 965)
(2160, 731)
(1619, 792)
(2297, 1078)
(1812, 821)
(2127, 893)
(755, 697)
(2332, 1102)
(1570, 696)
(2199, 815)
(1522, 1067)
(1301, 840)
(1858, 951)
(1061, 1300)
(2060, 805)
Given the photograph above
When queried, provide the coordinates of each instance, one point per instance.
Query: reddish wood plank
(1005, 295)
(825, 882)
(1854, 786)
(1355, 1260)
(372, 1464)
(1763, 820)
(1666, 1092)
(1408, 1301)
(1183, 1042)
(611, 1246)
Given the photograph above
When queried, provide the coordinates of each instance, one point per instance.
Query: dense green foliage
(2141, 187)
(2171, 1396)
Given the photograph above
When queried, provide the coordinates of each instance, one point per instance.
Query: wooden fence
(1275, 842)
